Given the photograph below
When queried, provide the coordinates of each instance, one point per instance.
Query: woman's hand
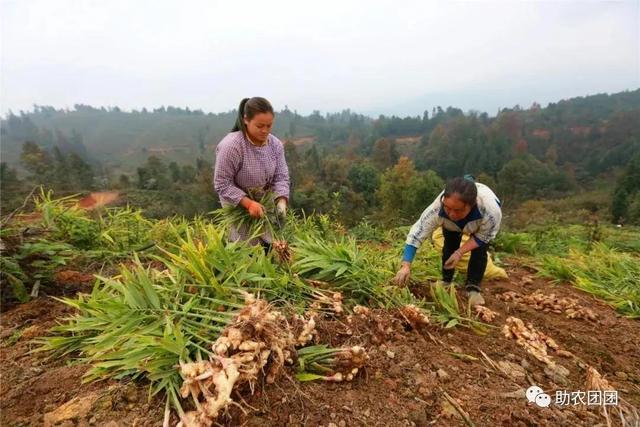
(256, 210)
(281, 208)
(402, 276)
(453, 260)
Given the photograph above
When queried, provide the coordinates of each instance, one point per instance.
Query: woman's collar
(255, 144)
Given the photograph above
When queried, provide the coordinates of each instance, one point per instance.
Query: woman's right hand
(402, 276)
(256, 210)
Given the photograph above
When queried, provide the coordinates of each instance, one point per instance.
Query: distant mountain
(478, 99)
(124, 140)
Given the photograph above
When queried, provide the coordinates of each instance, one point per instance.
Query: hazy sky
(374, 57)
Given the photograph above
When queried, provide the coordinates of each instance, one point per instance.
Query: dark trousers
(477, 262)
(266, 246)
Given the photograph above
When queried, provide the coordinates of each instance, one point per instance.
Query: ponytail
(239, 125)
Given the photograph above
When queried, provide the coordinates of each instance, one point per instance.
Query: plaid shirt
(243, 168)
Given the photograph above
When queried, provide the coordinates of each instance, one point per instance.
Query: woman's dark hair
(465, 188)
(248, 108)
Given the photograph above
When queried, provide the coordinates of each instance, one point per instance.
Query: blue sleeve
(409, 253)
(478, 241)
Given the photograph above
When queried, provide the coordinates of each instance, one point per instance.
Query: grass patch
(602, 271)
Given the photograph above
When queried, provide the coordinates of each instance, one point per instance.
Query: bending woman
(463, 207)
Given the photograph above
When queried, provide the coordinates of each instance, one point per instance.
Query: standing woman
(250, 162)
(463, 207)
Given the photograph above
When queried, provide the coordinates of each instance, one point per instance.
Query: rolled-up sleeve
(426, 225)
(281, 175)
(228, 160)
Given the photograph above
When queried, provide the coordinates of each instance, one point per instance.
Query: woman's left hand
(281, 208)
(453, 260)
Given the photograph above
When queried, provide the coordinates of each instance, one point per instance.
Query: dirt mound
(72, 277)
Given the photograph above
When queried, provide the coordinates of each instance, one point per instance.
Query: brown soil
(406, 382)
(33, 384)
(98, 199)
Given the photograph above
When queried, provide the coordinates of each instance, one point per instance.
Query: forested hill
(591, 132)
